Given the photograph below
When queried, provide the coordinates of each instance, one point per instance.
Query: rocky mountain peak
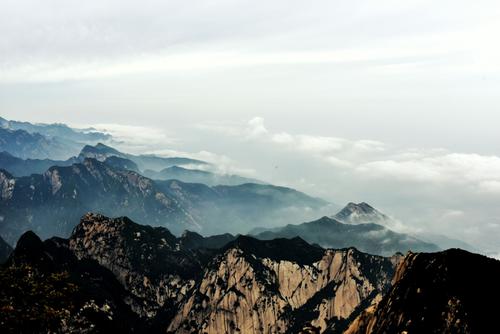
(281, 286)
(356, 213)
(436, 293)
(99, 152)
(145, 259)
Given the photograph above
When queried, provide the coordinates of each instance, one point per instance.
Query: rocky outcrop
(444, 292)
(279, 286)
(44, 288)
(148, 261)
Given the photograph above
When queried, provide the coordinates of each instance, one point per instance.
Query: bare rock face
(7, 183)
(442, 292)
(146, 260)
(281, 286)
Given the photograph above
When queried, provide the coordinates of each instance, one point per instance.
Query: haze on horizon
(393, 103)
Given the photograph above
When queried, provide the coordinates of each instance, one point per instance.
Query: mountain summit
(361, 213)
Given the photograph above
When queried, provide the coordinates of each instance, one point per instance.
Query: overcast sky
(391, 102)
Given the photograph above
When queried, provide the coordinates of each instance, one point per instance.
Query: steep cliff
(281, 286)
(442, 292)
(147, 260)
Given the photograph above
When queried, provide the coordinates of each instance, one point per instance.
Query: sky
(391, 102)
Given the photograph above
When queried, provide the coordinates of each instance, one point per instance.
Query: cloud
(336, 162)
(369, 145)
(136, 139)
(452, 214)
(92, 40)
(490, 186)
(220, 163)
(333, 151)
(319, 144)
(256, 128)
(482, 173)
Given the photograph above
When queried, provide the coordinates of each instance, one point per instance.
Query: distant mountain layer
(237, 209)
(437, 293)
(198, 176)
(26, 167)
(369, 238)
(51, 203)
(363, 213)
(32, 145)
(58, 130)
(44, 141)
(102, 152)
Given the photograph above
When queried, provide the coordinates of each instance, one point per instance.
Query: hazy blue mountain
(57, 130)
(25, 167)
(45, 141)
(144, 162)
(121, 163)
(33, 145)
(445, 242)
(50, 203)
(369, 238)
(237, 209)
(363, 213)
(198, 176)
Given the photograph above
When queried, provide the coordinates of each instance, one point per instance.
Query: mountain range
(51, 202)
(370, 238)
(198, 176)
(113, 274)
(102, 152)
(357, 225)
(45, 141)
(56, 130)
(176, 259)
